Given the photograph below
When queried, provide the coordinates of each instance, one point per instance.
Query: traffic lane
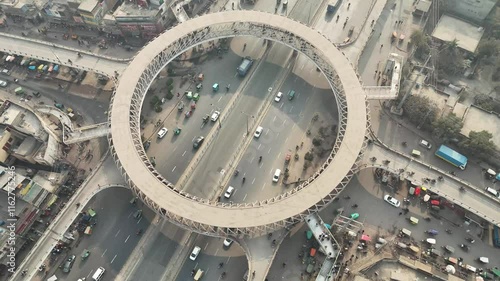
(208, 261)
(278, 139)
(113, 238)
(355, 15)
(192, 126)
(394, 135)
(232, 130)
(374, 210)
(155, 260)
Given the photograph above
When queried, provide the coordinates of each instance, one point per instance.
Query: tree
(479, 143)
(420, 111)
(484, 101)
(447, 127)
(450, 60)
(421, 42)
(487, 49)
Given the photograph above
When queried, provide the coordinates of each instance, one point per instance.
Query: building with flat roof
(476, 119)
(422, 8)
(467, 35)
(91, 11)
(22, 137)
(142, 19)
(473, 10)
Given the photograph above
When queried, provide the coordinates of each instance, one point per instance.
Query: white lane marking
(193, 139)
(291, 108)
(307, 99)
(298, 95)
(253, 180)
(282, 104)
(216, 252)
(264, 185)
(277, 134)
(130, 214)
(174, 169)
(175, 148)
(103, 253)
(284, 122)
(219, 99)
(117, 233)
(259, 146)
(139, 220)
(279, 155)
(184, 153)
(267, 131)
(286, 139)
(113, 259)
(274, 119)
(243, 200)
(302, 67)
(269, 151)
(205, 246)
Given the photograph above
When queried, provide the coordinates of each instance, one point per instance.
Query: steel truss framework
(225, 30)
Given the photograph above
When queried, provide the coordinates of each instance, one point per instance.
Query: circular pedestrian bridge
(242, 219)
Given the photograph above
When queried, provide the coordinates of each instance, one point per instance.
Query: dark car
(68, 264)
(198, 141)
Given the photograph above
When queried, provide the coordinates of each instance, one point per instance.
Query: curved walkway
(60, 54)
(213, 218)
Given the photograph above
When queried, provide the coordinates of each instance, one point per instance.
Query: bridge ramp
(85, 133)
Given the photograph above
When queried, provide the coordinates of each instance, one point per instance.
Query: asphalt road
(92, 110)
(212, 254)
(374, 211)
(180, 148)
(285, 126)
(113, 238)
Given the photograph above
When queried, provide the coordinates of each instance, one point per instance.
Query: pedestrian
(376, 71)
(284, 264)
(381, 46)
(400, 213)
(348, 6)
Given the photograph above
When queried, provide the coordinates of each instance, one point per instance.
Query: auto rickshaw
(189, 113)
(85, 254)
(205, 119)
(354, 216)
(199, 86)
(177, 131)
(201, 77)
(215, 87)
(180, 107)
(413, 220)
(189, 95)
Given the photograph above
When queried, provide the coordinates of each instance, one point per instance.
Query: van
(492, 191)
(291, 94)
(276, 176)
(98, 274)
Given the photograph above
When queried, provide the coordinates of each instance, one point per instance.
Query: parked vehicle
(332, 6)
(451, 156)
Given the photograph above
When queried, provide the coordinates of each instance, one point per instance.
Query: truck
(332, 6)
(451, 156)
(245, 66)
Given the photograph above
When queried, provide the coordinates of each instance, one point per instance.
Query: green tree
(421, 42)
(479, 143)
(484, 101)
(487, 49)
(420, 111)
(169, 95)
(154, 101)
(450, 60)
(447, 127)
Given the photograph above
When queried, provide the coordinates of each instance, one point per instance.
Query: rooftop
(88, 5)
(478, 120)
(466, 34)
(423, 6)
(130, 10)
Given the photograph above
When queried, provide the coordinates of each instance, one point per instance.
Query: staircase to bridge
(179, 11)
(85, 133)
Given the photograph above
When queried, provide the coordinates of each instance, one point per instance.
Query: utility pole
(398, 109)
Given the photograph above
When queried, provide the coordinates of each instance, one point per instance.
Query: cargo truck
(245, 66)
(451, 156)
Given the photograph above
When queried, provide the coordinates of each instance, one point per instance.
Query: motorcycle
(139, 232)
(470, 240)
(464, 247)
(462, 189)
(448, 231)
(354, 206)
(260, 159)
(236, 173)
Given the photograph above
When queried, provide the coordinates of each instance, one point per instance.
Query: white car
(162, 132)
(227, 242)
(258, 132)
(278, 97)
(276, 176)
(393, 201)
(3, 84)
(215, 116)
(425, 144)
(229, 192)
(194, 254)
